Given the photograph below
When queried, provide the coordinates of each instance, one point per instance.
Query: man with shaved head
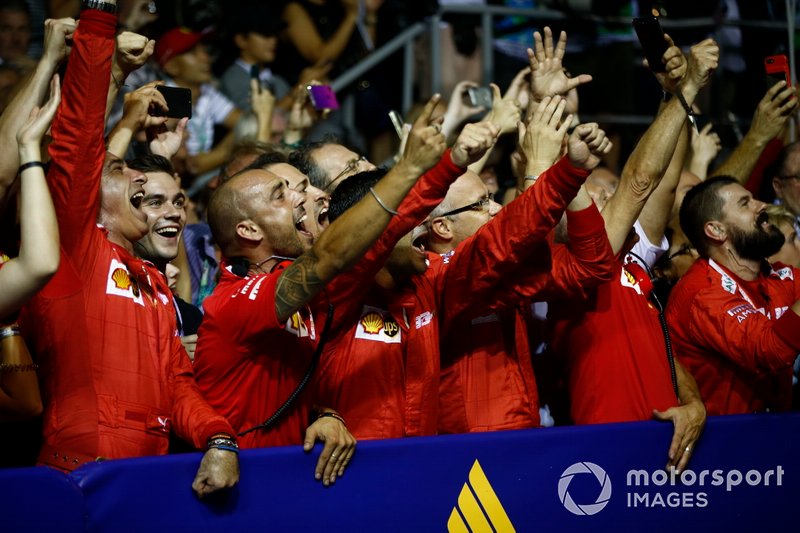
(262, 322)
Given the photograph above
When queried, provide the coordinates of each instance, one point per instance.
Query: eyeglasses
(787, 178)
(349, 168)
(686, 249)
(480, 205)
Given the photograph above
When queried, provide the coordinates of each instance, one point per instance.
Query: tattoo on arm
(298, 284)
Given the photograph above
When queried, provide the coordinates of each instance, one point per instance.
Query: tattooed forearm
(298, 284)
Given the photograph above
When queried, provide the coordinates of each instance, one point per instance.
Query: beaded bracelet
(6, 368)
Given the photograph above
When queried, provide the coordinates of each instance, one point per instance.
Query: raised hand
(505, 113)
(702, 61)
(31, 132)
(548, 77)
(473, 142)
(586, 144)
(132, 51)
(426, 143)
(773, 111)
(705, 147)
(57, 39)
(166, 142)
(138, 105)
(675, 64)
(541, 139)
(458, 107)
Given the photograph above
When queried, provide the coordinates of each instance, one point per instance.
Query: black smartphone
(179, 101)
(651, 36)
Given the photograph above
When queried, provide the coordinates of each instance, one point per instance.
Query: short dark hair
(351, 190)
(701, 204)
(267, 158)
(152, 163)
(302, 161)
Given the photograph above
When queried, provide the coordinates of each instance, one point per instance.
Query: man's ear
(777, 186)
(171, 68)
(239, 41)
(249, 231)
(442, 228)
(715, 231)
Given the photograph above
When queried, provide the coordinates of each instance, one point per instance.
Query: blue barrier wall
(745, 475)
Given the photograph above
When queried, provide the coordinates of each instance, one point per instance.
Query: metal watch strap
(102, 6)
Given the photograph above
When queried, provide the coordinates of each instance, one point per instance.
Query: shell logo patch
(121, 279)
(378, 325)
(120, 283)
(372, 323)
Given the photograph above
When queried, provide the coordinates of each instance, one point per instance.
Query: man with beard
(734, 318)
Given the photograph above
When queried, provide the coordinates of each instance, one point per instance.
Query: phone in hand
(777, 69)
(651, 37)
(179, 101)
(480, 97)
(322, 97)
(397, 122)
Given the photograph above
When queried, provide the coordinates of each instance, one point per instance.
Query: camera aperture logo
(659, 488)
(584, 509)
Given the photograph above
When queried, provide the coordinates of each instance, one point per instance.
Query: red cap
(174, 43)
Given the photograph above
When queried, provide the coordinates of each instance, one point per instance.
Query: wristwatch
(102, 6)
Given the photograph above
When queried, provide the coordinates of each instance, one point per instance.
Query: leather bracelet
(687, 108)
(224, 443)
(331, 414)
(30, 164)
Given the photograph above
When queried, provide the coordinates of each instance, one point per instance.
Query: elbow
(642, 182)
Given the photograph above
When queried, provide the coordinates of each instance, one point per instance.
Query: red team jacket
(383, 375)
(247, 364)
(115, 376)
(488, 382)
(738, 338)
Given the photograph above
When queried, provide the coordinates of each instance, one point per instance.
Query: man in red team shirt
(262, 323)
(733, 317)
(615, 349)
(115, 377)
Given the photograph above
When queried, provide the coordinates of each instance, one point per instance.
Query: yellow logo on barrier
(478, 508)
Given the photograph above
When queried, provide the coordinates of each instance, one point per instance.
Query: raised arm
(349, 236)
(770, 117)
(136, 116)
(132, 51)
(304, 36)
(649, 160)
(39, 250)
(32, 91)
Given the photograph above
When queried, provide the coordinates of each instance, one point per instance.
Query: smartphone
(397, 122)
(480, 97)
(322, 97)
(179, 101)
(777, 69)
(651, 37)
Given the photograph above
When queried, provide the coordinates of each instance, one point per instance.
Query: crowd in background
(259, 272)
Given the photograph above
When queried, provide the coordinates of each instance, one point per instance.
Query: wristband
(331, 414)
(531, 178)
(30, 164)
(6, 367)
